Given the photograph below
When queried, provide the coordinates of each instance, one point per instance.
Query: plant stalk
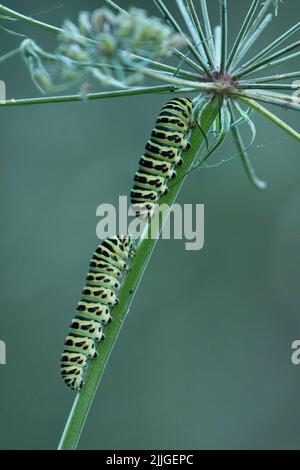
(224, 34)
(96, 96)
(208, 29)
(272, 117)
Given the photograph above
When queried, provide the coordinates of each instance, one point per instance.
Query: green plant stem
(248, 167)
(256, 26)
(97, 96)
(272, 117)
(190, 62)
(200, 86)
(115, 7)
(27, 19)
(40, 24)
(242, 33)
(224, 34)
(276, 77)
(171, 20)
(83, 401)
(194, 34)
(253, 37)
(273, 45)
(9, 54)
(268, 86)
(203, 39)
(207, 26)
(178, 71)
(168, 69)
(217, 38)
(267, 60)
(278, 99)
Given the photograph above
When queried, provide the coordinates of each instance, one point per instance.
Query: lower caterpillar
(99, 296)
(162, 154)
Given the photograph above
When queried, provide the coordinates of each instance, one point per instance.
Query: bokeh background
(204, 359)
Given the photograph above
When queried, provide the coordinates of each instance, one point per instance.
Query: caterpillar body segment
(146, 181)
(100, 266)
(102, 280)
(94, 311)
(182, 108)
(72, 376)
(144, 211)
(143, 195)
(84, 345)
(106, 254)
(174, 139)
(100, 294)
(156, 167)
(73, 359)
(121, 246)
(163, 153)
(87, 328)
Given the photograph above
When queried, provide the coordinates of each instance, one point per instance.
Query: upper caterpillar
(109, 260)
(162, 154)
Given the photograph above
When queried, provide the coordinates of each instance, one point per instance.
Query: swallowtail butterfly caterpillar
(162, 155)
(99, 296)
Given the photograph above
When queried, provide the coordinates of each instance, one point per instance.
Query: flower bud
(41, 78)
(108, 43)
(75, 52)
(71, 33)
(102, 19)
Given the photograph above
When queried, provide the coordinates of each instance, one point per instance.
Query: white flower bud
(75, 52)
(108, 43)
(103, 17)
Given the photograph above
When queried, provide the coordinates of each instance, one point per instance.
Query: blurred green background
(203, 360)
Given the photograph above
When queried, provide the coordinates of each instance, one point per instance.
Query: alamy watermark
(295, 357)
(182, 222)
(2, 91)
(2, 352)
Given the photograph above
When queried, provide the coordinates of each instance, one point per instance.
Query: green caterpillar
(162, 154)
(99, 296)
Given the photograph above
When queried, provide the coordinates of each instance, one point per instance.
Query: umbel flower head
(122, 48)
